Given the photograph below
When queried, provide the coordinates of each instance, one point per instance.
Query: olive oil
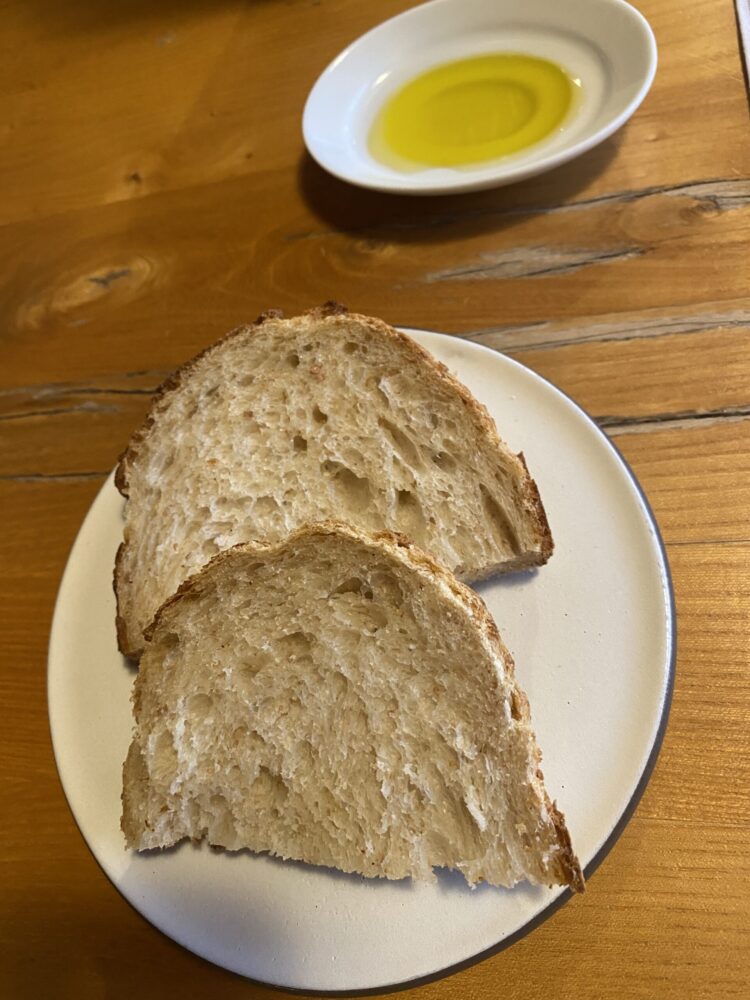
(471, 111)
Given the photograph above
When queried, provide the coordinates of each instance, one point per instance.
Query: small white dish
(592, 634)
(606, 44)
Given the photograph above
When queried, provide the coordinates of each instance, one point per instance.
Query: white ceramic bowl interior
(606, 44)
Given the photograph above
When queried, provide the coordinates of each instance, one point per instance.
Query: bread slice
(289, 422)
(339, 698)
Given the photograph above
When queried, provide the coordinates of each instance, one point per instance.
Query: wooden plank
(171, 97)
(140, 285)
(42, 520)
(676, 375)
(624, 325)
(703, 775)
(66, 429)
(696, 478)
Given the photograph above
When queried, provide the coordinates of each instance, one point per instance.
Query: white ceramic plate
(592, 634)
(607, 44)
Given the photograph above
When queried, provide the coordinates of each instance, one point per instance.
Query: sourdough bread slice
(339, 698)
(289, 422)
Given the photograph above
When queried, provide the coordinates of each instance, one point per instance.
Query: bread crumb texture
(326, 415)
(339, 698)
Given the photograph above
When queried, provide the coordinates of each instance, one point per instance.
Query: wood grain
(156, 194)
(696, 475)
(675, 376)
(113, 278)
(188, 97)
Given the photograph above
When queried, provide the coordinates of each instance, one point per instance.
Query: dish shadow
(408, 218)
(315, 870)
(511, 581)
(97, 16)
(452, 883)
(130, 665)
(449, 881)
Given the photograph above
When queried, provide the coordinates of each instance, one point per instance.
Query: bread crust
(402, 549)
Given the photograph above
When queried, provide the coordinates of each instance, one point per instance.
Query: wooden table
(155, 193)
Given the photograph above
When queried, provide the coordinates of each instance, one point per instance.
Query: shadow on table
(409, 218)
(99, 15)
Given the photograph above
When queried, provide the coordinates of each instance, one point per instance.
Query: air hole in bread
(299, 443)
(246, 380)
(409, 514)
(376, 617)
(444, 461)
(222, 527)
(434, 419)
(351, 586)
(209, 548)
(230, 505)
(295, 645)
(389, 589)
(350, 347)
(305, 754)
(244, 675)
(339, 684)
(402, 443)
(221, 829)
(269, 789)
(292, 359)
(353, 490)
(318, 416)
(199, 706)
(498, 520)
(170, 640)
(163, 757)
(265, 507)
(354, 585)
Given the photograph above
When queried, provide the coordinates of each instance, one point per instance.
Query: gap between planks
(616, 426)
(616, 326)
(721, 194)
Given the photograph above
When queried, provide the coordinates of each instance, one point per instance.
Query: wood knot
(68, 299)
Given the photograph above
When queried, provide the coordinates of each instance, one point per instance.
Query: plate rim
(653, 754)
